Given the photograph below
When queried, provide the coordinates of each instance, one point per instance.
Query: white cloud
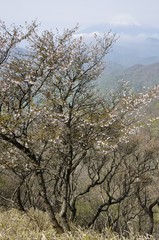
(138, 38)
(129, 38)
(121, 37)
(87, 35)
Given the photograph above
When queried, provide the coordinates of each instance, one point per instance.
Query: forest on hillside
(84, 157)
(139, 76)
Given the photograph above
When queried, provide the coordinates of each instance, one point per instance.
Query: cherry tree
(56, 127)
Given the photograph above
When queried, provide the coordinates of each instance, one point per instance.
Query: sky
(67, 13)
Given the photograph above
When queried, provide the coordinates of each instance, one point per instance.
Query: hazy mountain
(132, 29)
(138, 75)
(137, 44)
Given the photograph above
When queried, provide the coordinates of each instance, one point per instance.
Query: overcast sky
(67, 13)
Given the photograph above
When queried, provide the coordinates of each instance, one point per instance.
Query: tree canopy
(57, 133)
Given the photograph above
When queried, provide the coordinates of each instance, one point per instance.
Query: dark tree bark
(42, 188)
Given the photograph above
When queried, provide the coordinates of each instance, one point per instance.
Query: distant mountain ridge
(138, 76)
(137, 44)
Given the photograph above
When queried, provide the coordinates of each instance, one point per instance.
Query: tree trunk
(48, 207)
(20, 204)
(73, 211)
(151, 223)
(40, 178)
(63, 212)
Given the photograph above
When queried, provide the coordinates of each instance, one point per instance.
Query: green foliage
(84, 212)
(2, 182)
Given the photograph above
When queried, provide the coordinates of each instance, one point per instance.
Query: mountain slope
(138, 75)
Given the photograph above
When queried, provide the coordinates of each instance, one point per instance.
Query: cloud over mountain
(135, 43)
(124, 26)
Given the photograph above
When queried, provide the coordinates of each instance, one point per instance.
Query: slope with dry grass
(16, 225)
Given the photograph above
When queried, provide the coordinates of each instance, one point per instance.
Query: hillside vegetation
(138, 76)
(16, 225)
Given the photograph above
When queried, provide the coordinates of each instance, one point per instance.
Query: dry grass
(15, 225)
